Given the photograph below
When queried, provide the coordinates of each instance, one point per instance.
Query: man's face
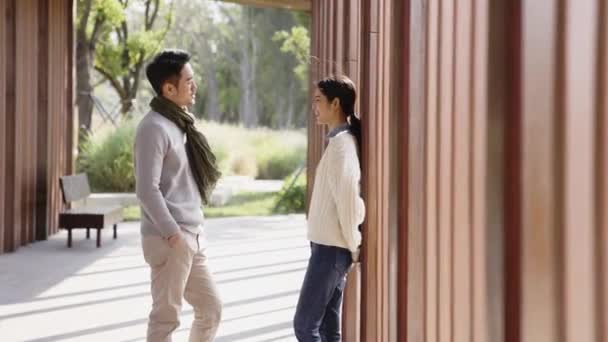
(184, 94)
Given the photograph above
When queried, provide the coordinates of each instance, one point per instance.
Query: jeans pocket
(343, 260)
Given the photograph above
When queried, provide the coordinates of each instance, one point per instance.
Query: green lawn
(242, 204)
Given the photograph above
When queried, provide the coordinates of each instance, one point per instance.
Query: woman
(335, 213)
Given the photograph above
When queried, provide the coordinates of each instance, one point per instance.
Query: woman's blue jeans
(317, 316)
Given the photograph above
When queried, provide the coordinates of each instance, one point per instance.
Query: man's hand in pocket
(174, 239)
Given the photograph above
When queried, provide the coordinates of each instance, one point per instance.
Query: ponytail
(354, 124)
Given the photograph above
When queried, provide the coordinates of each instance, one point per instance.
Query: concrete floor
(51, 293)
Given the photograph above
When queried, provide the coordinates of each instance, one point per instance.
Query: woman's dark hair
(343, 88)
(166, 67)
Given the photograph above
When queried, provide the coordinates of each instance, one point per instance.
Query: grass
(242, 204)
(245, 204)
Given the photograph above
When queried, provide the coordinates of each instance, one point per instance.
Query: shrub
(244, 165)
(109, 162)
(276, 153)
(263, 153)
(278, 157)
(292, 197)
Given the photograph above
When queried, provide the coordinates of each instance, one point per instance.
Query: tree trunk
(212, 106)
(248, 101)
(84, 88)
(126, 106)
(291, 108)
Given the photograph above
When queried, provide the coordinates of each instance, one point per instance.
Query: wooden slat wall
(516, 106)
(563, 87)
(36, 107)
(503, 228)
(55, 162)
(446, 227)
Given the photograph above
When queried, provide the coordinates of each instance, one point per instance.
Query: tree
(242, 74)
(197, 33)
(95, 18)
(121, 56)
(297, 43)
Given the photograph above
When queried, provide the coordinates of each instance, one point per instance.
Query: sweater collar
(337, 130)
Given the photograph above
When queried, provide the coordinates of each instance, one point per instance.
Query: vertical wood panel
(505, 115)
(478, 147)
(44, 124)
(602, 173)
(3, 114)
(70, 135)
(445, 214)
(432, 182)
(539, 304)
(12, 195)
(579, 122)
(340, 41)
(332, 42)
(313, 151)
(26, 108)
(353, 37)
(461, 244)
(413, 196)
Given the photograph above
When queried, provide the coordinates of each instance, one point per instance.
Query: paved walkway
(51, 293)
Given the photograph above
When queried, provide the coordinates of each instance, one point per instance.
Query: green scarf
(201, 159)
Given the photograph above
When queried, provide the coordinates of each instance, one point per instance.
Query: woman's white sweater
(336, 207)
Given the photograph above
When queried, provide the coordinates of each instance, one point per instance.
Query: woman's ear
(335, 104)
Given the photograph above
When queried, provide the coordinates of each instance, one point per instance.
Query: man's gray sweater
(165, 187)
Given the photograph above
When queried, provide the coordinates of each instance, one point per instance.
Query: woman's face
(323, 110)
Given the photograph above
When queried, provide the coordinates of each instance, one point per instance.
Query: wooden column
(36, 111)
(377, 101)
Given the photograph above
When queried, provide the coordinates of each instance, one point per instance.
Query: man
(175, 172)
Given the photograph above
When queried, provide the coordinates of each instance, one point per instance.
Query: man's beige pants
(180, 272)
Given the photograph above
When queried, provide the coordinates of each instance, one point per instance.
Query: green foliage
(108, 162)
(106, 14)
(117, 57)
(292, 197)
(121, 36)
(297, 43)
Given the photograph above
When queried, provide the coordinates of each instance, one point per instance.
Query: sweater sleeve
(151, 144)
(345, 190)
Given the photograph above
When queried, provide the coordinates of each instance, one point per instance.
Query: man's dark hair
(166, 67)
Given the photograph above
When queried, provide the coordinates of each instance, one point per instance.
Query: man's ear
(168, 89)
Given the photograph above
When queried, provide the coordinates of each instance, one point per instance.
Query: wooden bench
(76, 188)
